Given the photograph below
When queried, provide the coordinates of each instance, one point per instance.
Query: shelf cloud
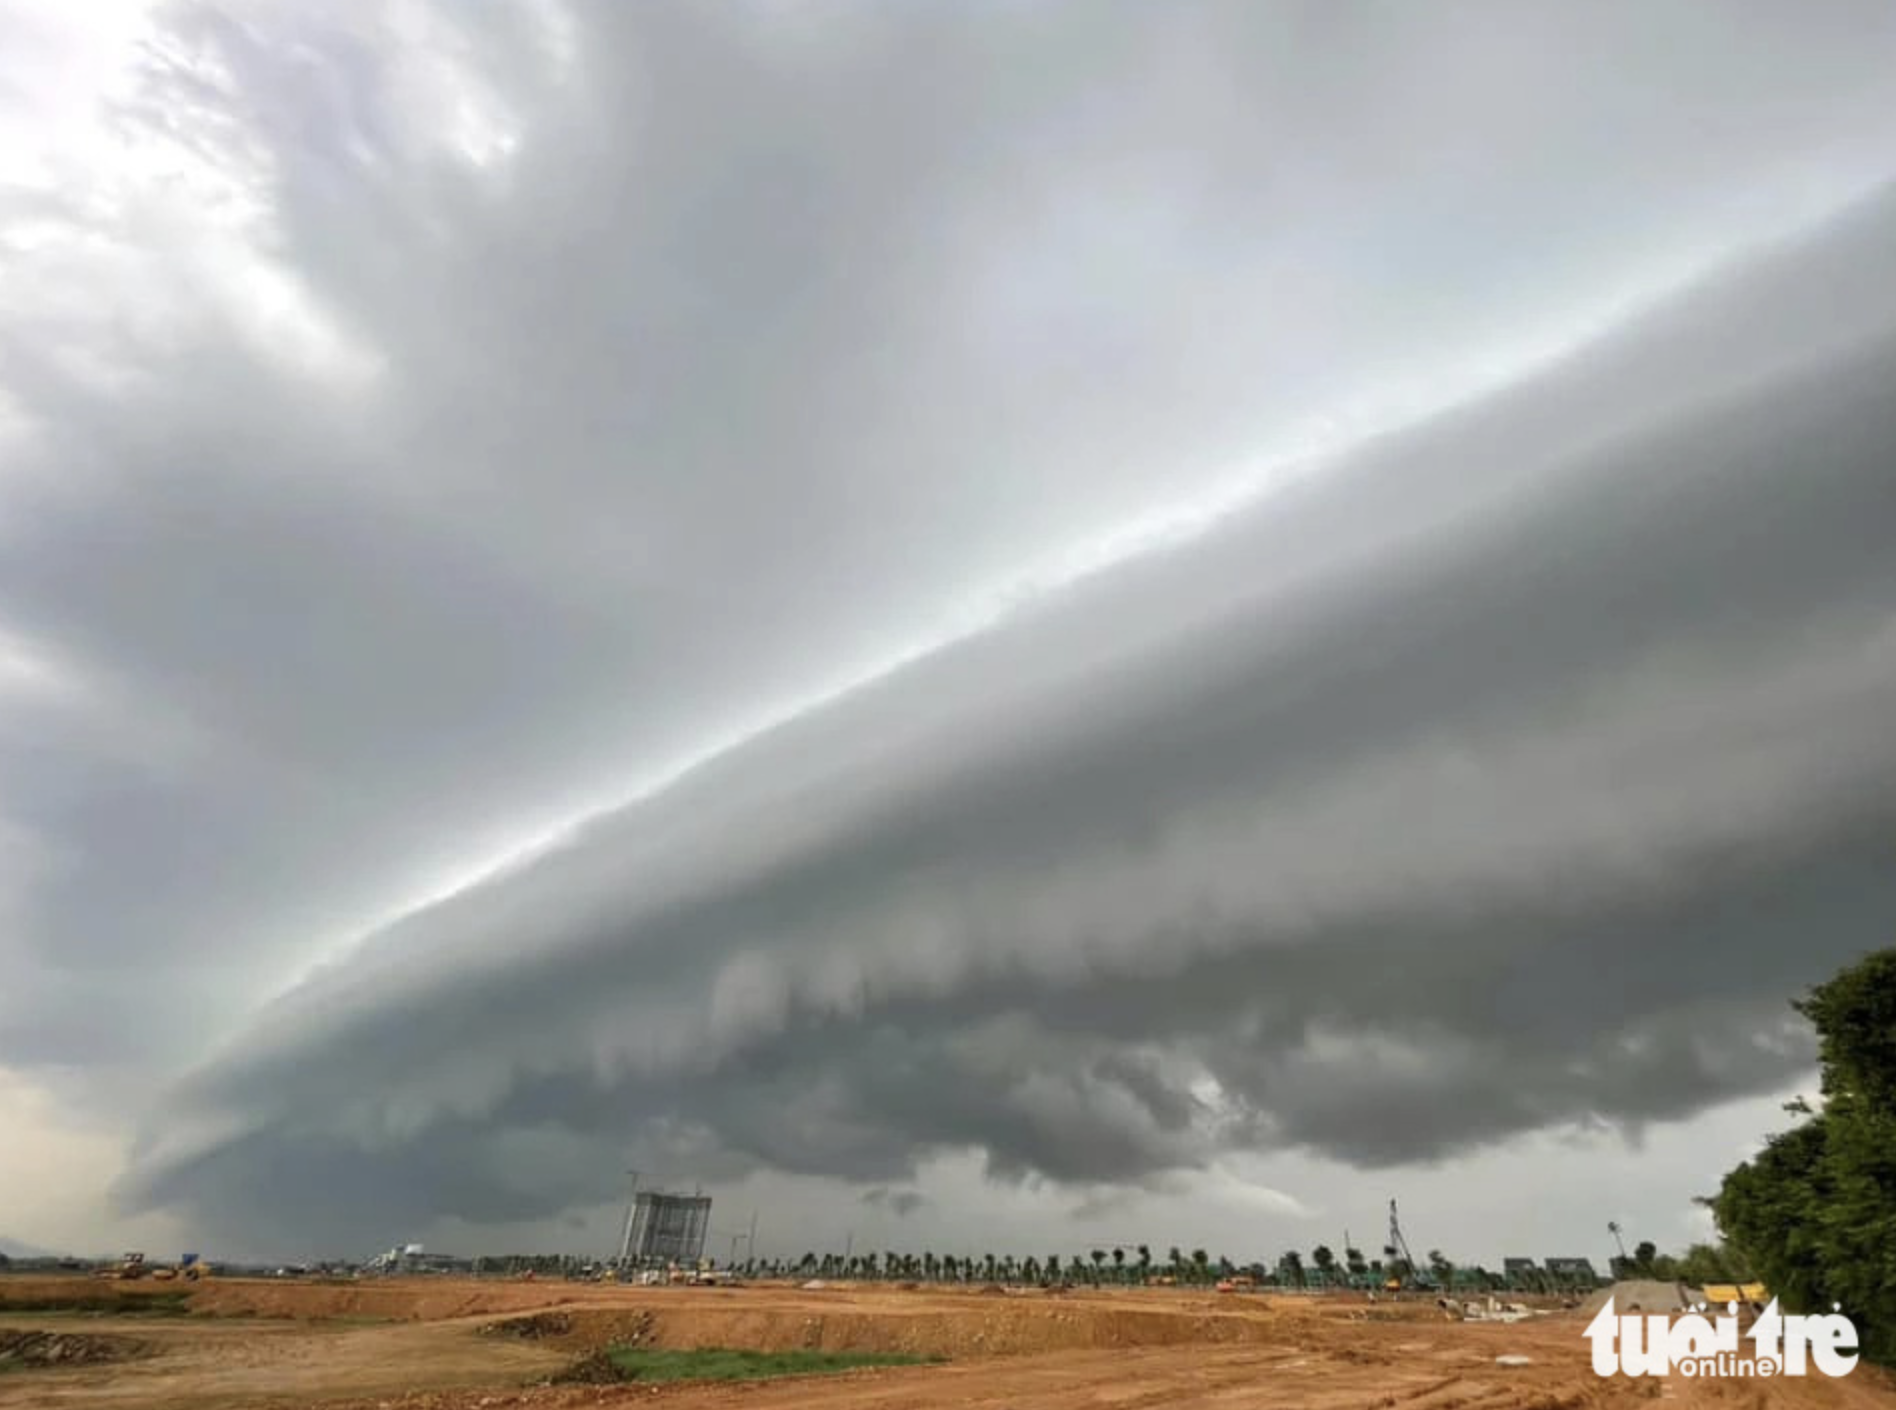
(798, 591)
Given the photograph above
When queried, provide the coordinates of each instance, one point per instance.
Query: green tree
(1200, 1262)
(1119, 1265)
(1814, 1213)
(1712, 1263)
(1644, 1255)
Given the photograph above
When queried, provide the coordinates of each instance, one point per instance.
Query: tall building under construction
(666, 1229)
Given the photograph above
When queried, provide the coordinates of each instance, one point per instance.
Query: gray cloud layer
(1496, 779)
(1503, 774)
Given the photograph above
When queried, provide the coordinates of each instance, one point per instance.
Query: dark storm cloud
(1416, 806)
(1528, 808)
(901, 1202)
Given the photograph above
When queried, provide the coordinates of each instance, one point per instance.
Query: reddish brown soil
(434, 1345)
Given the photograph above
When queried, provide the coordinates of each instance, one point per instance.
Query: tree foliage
(1814, 1213)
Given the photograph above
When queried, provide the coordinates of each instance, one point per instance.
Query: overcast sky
(981, 625)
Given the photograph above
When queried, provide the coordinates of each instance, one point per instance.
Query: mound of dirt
(1644, 1295)
(97, 1296)
(42, 1349)
(930, 1327)
(598, 1369)
(386, 1299)
(540, 1326)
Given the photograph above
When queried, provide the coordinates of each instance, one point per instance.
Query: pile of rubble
(1647, 1295)
(41, 1349)
(1486, 1310)
(537, 1327)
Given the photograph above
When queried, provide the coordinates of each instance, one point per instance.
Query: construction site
(456, 1343)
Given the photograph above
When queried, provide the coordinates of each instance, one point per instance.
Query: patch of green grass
(154, 1304)
(634, 1363)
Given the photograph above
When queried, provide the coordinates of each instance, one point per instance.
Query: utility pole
(631, 1208)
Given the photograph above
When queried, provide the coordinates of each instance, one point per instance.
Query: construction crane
(1398, 1248)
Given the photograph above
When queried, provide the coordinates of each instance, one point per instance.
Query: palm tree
(1099, 1263)
(1324, 1261)
(1119, 1265)
(1175, 1261)
(1200, 1261)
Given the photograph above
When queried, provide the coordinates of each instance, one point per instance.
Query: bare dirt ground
(451, 1344)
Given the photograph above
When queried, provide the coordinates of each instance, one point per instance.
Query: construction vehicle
(130, 1267)
(189, 1269)
(1404, 1272)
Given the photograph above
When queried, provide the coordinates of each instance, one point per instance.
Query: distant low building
(1573, 1272)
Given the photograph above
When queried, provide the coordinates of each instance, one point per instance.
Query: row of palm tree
(1136, 1265)
(1099, 1266)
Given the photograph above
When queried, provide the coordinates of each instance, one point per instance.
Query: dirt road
(459, 1345)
